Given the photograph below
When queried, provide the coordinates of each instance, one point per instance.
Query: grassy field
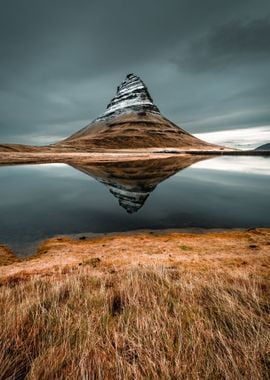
(146, 322)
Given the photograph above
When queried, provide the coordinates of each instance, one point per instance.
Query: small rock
(253, 246)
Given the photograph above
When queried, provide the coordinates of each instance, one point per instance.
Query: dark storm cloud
(61, 60)
(235, 43)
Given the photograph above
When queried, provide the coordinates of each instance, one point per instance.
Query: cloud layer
(61, 61)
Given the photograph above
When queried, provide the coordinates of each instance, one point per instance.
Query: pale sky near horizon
(206, 64)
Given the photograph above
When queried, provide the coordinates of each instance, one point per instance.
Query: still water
(40, 201)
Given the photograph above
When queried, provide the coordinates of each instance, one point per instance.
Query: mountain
(132, 182)
(132, 120)
(264, 147)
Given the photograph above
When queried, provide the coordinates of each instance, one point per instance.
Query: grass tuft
(147, 323)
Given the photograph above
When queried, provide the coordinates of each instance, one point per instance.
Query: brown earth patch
(211, 251)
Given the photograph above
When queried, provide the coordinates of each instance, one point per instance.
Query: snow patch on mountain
(132, 96)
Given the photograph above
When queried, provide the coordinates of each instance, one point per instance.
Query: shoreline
(34, 245)
(205, 249)
(12, 158)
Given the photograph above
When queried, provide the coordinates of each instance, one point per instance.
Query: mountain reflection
(132, 182)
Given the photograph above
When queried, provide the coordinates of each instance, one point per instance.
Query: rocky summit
(132, 121)
(132, 96)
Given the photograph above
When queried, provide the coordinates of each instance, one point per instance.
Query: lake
(41, 201)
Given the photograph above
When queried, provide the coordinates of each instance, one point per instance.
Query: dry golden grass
(145, 322)
(6, 256)
(227, 250)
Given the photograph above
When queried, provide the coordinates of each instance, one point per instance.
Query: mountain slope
(264, 147)
(132, 120)
(8, 148)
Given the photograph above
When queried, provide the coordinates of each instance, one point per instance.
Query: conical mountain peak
(132, 96)
(132, 121)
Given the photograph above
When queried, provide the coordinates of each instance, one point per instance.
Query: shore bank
(11, 158)
(211, 250)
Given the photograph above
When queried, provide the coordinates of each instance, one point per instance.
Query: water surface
(41, 201)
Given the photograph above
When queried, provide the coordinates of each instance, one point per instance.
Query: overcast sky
(206, 63)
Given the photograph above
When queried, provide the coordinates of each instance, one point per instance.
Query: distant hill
(18, 148)
(263, 147)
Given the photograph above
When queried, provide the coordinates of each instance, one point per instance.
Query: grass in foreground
(146, 323)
